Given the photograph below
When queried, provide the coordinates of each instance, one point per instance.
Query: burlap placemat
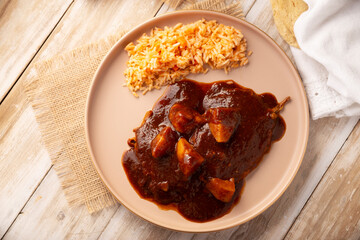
(57, 90)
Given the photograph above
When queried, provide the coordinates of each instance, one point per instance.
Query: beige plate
(113, 112)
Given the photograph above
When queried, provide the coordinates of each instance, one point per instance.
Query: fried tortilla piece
(223, 122)
(222, 190)
(163, 143)
(286, 12)
(184, 119)
(189, 159)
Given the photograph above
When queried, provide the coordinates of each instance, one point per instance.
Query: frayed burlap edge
(234, 9)
(62, 163)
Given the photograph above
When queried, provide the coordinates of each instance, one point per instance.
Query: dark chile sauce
(250, 123)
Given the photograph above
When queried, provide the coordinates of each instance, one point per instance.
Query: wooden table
(322, 202)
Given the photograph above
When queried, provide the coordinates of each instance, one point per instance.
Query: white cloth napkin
(328, 34)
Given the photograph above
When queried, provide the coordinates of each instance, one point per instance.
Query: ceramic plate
(113, 112)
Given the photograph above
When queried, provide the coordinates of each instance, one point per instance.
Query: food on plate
(169, 54)
(198, 143)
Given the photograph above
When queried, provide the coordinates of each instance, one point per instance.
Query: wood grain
(24, 26)
(89, 21)
(126, 225)
(21, 151)
(23, 160)
(48, 216)
(333, 211)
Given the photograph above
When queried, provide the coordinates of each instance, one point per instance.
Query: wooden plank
(48, 216)
(89, 21)
(21, 150)
(23, 160)
(24, 26)
(333, 211)
(126, 225)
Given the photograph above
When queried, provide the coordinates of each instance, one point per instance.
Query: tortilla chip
(286, 12)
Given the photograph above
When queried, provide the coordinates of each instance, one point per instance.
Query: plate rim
(107, 57)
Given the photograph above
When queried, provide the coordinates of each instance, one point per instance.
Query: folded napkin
(328, 34)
